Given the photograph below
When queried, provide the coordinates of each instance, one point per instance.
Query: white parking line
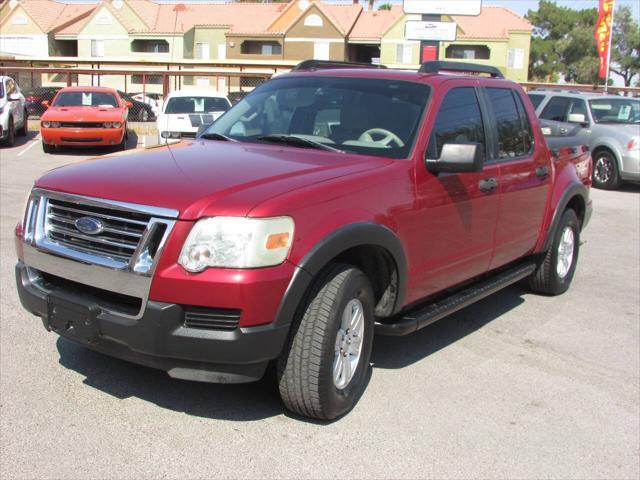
(28, 147)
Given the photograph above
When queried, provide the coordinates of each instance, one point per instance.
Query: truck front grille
(119, 238)
(82, 125)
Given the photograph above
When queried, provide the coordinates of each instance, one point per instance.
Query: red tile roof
(374, 24)
(492, 23)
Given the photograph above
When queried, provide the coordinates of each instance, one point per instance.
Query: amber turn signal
(277, 240)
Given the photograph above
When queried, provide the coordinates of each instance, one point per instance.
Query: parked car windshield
(196, 104)
(360, 115)
(85, 99)
(615, 110)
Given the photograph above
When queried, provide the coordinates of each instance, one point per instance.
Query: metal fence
(145, 89)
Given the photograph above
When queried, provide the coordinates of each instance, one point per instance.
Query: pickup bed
(331, 203)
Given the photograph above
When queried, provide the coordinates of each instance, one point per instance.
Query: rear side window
(513, 138)
(556, 109)
(535, 99)
(459, 121)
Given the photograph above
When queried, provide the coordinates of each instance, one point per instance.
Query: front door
(456, 221)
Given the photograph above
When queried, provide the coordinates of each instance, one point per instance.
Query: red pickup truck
(331, 203)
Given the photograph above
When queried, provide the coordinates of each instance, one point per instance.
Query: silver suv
(609, 124)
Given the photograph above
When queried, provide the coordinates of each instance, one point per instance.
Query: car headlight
(175, 134)
(117, 124)
(165, 134)
(237, 242)
(46, 124)
(55, 124)
(107, 124)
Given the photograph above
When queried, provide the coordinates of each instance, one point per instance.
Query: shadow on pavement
(399, 352)
(259, 400)
(20, 141)
(630, 187)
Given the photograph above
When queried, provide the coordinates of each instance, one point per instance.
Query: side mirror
(577, 118)
(458, 158)
(14, 97)
(202, 128)
(128, 104)
(45, 103)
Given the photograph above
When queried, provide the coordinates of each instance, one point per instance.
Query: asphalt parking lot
(516, 386)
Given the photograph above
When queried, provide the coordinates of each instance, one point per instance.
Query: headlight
(116, 124)
(107, 124)
(165, 134)
(237, 242)
(55, 124)
(46, 124)
(175, 134)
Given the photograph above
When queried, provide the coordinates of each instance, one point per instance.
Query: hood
(205, 177)
(82, 114)
(185, 122)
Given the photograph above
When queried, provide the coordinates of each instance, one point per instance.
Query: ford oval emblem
(89, 225)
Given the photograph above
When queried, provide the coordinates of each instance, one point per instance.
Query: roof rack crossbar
(328, 64)
(463, 67)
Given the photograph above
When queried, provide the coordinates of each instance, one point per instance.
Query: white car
(151, 99)
(184, 111)
(13, 111)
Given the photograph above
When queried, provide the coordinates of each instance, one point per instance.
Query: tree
(385, 6)
(625, 54)
(563, 44)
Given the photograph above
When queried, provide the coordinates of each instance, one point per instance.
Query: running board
(421, 316)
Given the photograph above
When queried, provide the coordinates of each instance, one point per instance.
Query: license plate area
(73, 319)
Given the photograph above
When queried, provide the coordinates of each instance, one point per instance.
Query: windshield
(85, 99)
(196, 104)
(359, 115)
(615, 110)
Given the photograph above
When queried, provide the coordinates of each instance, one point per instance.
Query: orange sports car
(85, 116)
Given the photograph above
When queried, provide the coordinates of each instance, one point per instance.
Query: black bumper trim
(160, 340)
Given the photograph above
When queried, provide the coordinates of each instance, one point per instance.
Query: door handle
(488, 184)
(542, 172)
(564, 130)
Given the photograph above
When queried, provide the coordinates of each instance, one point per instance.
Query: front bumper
(90, 137)
(158, 338)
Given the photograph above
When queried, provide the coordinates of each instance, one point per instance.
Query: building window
(103, 18)
(150, 46)
(251, 47)
(515, 58)
(468, 52)
(202, 51)
(313, 20)
(19, 20)
(16, 45)
(404, 53)
(97, 48)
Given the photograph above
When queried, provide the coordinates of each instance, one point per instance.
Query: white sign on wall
(443, 7)
(441, 31)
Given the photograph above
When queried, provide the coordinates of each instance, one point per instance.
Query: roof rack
(462, 67)
(329, 64)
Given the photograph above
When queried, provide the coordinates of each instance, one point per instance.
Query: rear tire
(11, 134)
(325, 366)
(605, 170)
(46, 148)
(22, 131)
(555, 272)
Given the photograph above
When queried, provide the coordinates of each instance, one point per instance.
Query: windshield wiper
(217, 136)
(298, 141)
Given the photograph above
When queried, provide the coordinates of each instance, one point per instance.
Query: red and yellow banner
(603, 34)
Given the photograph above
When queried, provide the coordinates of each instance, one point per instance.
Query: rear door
(456, 219)
(524, 178)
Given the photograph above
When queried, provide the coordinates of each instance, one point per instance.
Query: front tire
(605, 171)
(555, 273)
(46, 148)
(11, 134)
(324, 369)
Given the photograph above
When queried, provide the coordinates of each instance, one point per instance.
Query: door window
(459, 121)
(556, 109)
(536, 99)
(513, 139)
